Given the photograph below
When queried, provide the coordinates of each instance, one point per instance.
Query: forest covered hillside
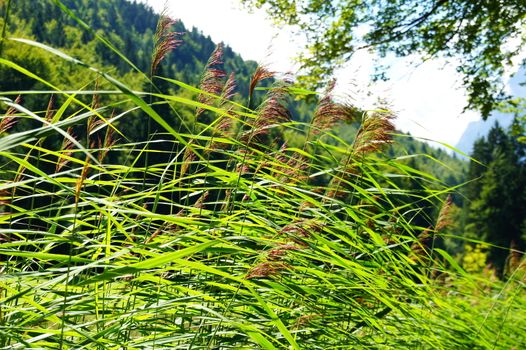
(129, 26)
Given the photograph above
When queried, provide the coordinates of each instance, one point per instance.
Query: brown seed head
(266, 269)
(67, 146)
(8, 121)
(375, 133)
(260, 74)
(165, 40)
(328, 112)
(444, 217)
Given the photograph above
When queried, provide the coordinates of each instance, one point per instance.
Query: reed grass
(227, 238)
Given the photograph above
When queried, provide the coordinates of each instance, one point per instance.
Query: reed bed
(215, 234)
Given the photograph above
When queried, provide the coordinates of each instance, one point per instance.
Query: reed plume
(280, 251)
(165, 40)
(328, 112)
(223, 126)
(273, 112)
(290, 168)
(229, 90)
(259, 75)
(109, 141)
(188, 157)
(301, 229)
(421, 248)
(444, 217)
(374, 133)
(8, 121)
(516, 262)
(50, 110)
(267, 269)
(212, 81)
(201, 201)
(66, 149)
(80, 181)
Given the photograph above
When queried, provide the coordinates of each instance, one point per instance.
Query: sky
(428, 99)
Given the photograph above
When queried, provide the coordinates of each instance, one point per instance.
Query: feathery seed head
(188, 157)
(229, 89)
(279, 252)
(67, 146)
(260, 74)
(165, 40)
(50, 111)
(375, 132)
(8, 121)
(212, 81)
(444, 217)
(329, 112)
(266, 269)
(200, 203)
(109, 141)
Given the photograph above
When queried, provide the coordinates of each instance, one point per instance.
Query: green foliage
(469, 33)
(474, 259)
(496, 209)
(217, 234)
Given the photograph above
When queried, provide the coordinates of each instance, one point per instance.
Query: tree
(469, 33)
(497, 207)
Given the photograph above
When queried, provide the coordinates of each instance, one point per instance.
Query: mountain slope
(129, 26)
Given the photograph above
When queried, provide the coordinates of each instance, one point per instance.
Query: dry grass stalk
(165, 40)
